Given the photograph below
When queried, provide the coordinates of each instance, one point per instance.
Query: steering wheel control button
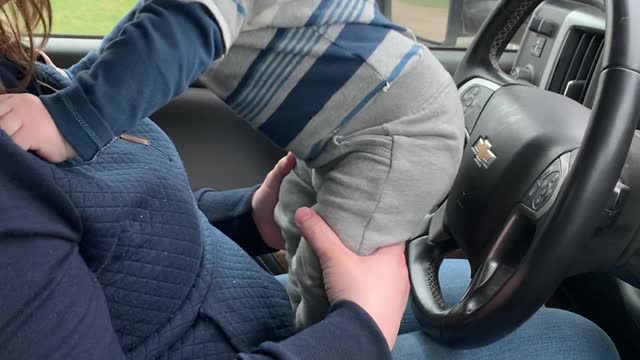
(469, 97)
(544, 188)
(534, 25)
(618, 198)
(551, 170)
(547, 28)
(538, 202)
(542, 198)
(538, 47)
(473, 101)
(523, 73)
(542, 26)
(616, 203)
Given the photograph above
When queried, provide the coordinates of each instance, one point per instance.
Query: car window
(87, 17)
(451, 23)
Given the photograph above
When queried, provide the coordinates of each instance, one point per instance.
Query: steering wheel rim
(502, 296)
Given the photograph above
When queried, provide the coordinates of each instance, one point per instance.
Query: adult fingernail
(302, 215)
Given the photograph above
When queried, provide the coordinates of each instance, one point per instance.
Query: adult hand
(26, 120)
(264, 203)
(379, 283)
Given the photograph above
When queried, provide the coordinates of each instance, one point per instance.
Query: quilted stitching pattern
(256, 316)
(176, 287)
(141, 234)
(246, 320)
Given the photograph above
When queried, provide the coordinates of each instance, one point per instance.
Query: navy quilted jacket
(175, 286)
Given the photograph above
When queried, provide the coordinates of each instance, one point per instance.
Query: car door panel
(219, 150)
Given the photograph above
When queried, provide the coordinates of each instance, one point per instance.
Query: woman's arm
(231, 212)
(52, 306)
(368, 293)
(348, 332)
(152, 59)
(246, 215)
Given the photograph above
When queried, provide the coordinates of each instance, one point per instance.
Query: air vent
(577, 64)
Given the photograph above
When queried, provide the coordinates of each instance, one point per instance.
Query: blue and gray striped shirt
(298, 71)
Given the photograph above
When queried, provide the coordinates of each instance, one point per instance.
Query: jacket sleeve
(154, 57)
(348, 332)
(230, 212)
(87, 62)
(52, 306)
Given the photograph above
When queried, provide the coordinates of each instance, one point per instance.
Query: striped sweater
(298, 71)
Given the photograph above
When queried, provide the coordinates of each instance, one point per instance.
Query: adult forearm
(230, 212)
(52, 306)
(348, 332)
(154, 57)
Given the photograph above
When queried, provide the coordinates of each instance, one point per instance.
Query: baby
(372, 117)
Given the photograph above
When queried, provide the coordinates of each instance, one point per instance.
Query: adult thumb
(324, 242)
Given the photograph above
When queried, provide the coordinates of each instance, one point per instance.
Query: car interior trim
(582, 17)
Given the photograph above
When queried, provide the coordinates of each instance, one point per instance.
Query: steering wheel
(538, 172)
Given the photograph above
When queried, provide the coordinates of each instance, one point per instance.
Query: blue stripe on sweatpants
(316, 149)
(327, 76)
(241, 10)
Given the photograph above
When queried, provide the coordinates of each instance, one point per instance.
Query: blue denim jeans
(549, 334)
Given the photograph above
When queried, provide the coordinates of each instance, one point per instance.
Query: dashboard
(561, 50)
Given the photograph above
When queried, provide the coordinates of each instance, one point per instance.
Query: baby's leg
(312, 303)
(384, 180)
(345, 193)
(296, 191)
(380, 192)
(376, 195)
(350, 196)
(376, 185)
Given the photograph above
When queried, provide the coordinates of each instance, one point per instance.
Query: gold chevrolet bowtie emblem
(484, 156)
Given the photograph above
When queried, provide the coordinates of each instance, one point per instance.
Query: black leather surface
(529, 128)
(511, 285)
(625, 31)
(482, 58)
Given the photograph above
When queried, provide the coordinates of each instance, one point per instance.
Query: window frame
(386, 7)
(454, 5)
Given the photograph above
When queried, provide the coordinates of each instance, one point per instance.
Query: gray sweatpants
(377, 180)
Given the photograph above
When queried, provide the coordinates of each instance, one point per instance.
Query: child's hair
(20, 21)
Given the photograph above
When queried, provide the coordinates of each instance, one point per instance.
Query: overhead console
(562, 48)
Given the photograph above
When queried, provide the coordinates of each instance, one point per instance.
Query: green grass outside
(97, 17)
(430, 3)
(87, 17)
